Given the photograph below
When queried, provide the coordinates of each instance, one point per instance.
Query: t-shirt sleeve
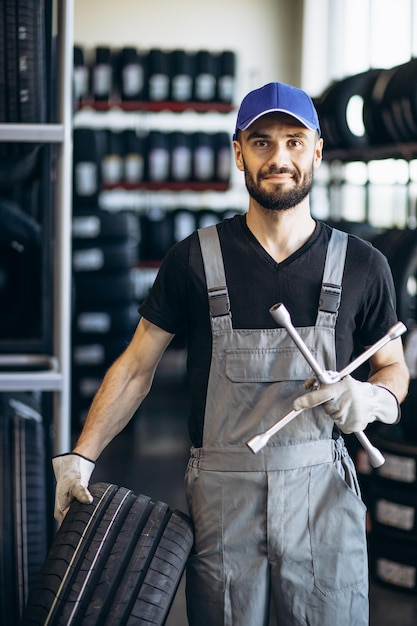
(379, 308)
(165, 304)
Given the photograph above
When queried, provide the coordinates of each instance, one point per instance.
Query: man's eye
(261, 143)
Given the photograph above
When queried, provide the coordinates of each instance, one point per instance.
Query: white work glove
(352, 404)
(72, 474)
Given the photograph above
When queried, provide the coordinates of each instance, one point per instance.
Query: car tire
(116, 561)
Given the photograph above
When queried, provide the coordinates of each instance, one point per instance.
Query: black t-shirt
(178, 300)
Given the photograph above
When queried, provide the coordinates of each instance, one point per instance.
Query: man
(287, 523)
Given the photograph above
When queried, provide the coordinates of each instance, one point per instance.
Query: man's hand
(72, 473)
(352, 404)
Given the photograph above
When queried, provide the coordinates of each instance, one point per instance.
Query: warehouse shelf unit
(166, 117)
(52, 372)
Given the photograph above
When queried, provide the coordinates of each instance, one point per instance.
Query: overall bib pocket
(337, 527)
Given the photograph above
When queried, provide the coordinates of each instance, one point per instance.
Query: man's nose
(279, 156)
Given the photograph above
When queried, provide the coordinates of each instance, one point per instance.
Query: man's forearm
(389, 369)
(114, 404)
(395, 378)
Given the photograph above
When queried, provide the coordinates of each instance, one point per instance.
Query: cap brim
(297, 117)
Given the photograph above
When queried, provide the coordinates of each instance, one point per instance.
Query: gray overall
(287, 523)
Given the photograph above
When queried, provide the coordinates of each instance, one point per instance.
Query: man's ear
(238, 155)
(318, 153)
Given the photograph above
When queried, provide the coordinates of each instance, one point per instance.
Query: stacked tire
(105, 313)
(116, 561)
(25, 180)
(393, 511)
(333, 109)
(400, 248)
(21, 274)
(22, 82)
(130, 76)
(383, 103)
(391, 488)
(23, 516)
(26, 251)
(150, 159)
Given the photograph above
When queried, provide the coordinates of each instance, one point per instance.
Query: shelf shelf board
(32, 133)
(156, 107)
(27, 381)
(406, 151)
(168, 186)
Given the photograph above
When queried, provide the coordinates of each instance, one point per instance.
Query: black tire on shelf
(116, 561)
(100, 353)
(333, 109)
(18, 169)
(397, 105)
(393, 561)
(23, 544)
(31, 60)
(400, 248)
(393, 504)
(337, 108)
(87, 179)
(92, 322)
(8, 601)
(3, 82)
(404, 269)
(84, 385)
(97, 257)
(393, 509)
(24, 92)
(400, 468)
(375, 123)
(91, 224)
(20, 272)
(410, 104)
(390, 114)
(106, 288)
(30, 496)
(364, 230)
(409, 411)
(388, 241)
(11, 55)
(327, 122)
(157, 228)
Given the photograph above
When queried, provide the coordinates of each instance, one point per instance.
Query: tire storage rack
(23, 503)
(27, 170)
(391, 489)
(25, 185)
(105, 307)
(116, 561)
(393, 511)
(139, 158)
(389, 99)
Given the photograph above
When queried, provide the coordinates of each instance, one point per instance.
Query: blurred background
(115, 142)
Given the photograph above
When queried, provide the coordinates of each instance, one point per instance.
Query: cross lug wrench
(283, 318)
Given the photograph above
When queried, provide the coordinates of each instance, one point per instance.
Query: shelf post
(62, 254)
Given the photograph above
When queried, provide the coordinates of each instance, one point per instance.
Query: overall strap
(331, 289)
(218, 296)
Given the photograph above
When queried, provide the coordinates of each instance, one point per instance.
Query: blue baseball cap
(277, 97)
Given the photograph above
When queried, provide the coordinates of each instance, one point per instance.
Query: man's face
(278, 156)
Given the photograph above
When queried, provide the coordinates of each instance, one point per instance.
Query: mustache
(273, 169)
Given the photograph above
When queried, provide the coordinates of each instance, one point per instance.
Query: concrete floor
(150, 456)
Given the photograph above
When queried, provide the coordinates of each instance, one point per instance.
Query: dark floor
(150, 456)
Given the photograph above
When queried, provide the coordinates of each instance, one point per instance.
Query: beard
(279, 199)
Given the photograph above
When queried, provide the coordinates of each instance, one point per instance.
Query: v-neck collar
(266, 257)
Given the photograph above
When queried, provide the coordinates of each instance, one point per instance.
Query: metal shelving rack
(55, 373)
